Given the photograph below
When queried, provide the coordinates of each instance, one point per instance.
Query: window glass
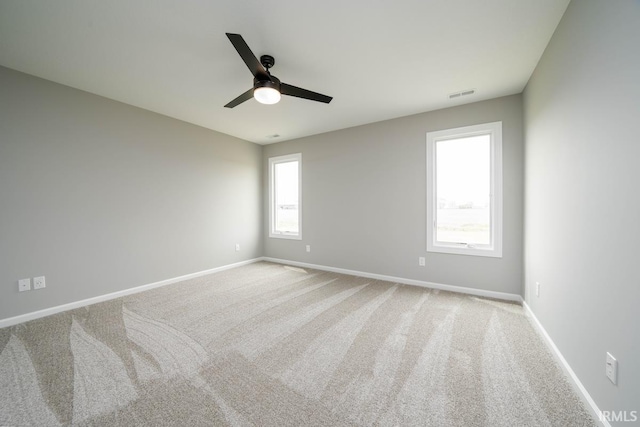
(463, 186)
(285, 214)
(286, 197)
(464, 190)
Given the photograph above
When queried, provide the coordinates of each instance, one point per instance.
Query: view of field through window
(463, 188)
(286, 197)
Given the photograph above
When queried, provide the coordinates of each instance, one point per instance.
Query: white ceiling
(378, 59)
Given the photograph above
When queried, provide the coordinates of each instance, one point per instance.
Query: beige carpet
(270, 345)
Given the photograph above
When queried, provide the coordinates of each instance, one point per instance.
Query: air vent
(463, 93)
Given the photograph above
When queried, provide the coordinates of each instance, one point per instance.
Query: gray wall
(99, 196)
(582, 107)
(364, 199)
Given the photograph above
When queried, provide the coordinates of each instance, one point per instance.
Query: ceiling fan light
(266, 95)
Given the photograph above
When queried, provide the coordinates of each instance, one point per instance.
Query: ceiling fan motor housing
(274, 83)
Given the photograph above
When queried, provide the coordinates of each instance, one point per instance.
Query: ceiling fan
(266, 88)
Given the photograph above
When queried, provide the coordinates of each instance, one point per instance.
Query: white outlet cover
(308, 248)
(24, 285)
(421, 261)
(38, 282)
(537, 289)
(237, 246)
(612, 368)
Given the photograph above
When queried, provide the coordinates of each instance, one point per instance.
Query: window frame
(273, 161)
(494, 129)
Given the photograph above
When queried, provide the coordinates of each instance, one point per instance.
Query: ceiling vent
(463, 93)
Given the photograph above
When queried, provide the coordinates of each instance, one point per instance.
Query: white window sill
(465, 250)
(285, 236)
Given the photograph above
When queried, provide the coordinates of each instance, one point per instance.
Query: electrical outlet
(537, 289)
(24, 285)
(308, 248)
(422, 261)
(237, 247)
(38, 282)
(612, 368)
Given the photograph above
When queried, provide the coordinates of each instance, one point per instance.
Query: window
(285, 216)
(464, 190)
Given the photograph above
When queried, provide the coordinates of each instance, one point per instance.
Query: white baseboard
(574, 381)
(431, 285)
(82, 303)
(10, 321)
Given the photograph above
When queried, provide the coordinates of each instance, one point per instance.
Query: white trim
(575, 382)
(296, 157)
(421, 283)
(10, 321)
(494, 249)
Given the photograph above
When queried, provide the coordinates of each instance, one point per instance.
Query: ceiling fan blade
(247, 56)
(286, 89)
(239, 100)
